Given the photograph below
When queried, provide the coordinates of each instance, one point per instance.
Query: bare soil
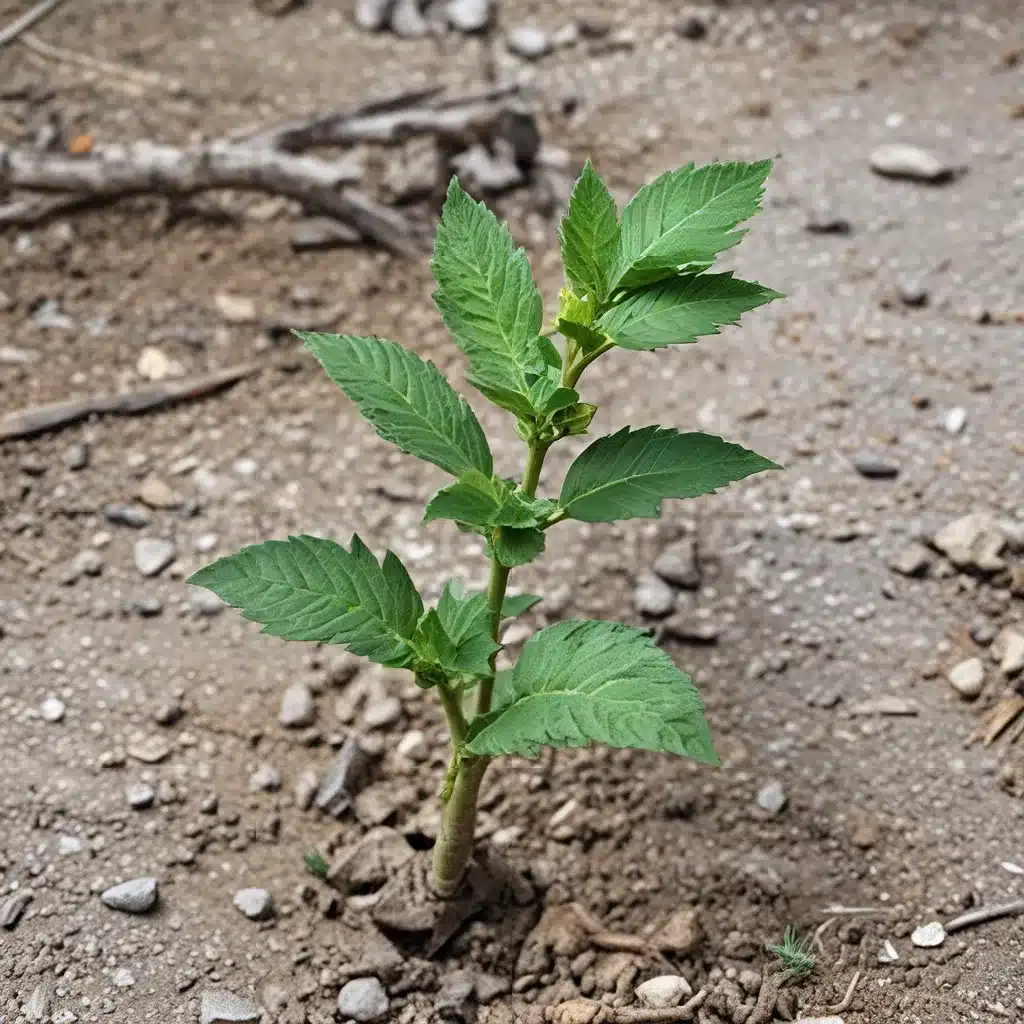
(894, 814)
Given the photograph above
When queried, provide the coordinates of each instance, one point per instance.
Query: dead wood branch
(38, 420)
(144, 168)
(31, 17)
(984, 914)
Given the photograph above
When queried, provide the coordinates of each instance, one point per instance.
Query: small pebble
(134, 897)
(122, 978)
(76, 457)
(691, 26)
(266, 779)
(928, 935)
(968, 677)
(52, 709)
(139, 795)
(875, 467)
(153, 555)
(256, 904)
(888, 953)
(298, 708)
(772, 798)
(69, 846)
(468, 15)
(382, 712)
(898, 160)
(363, 999)
(205, 602)
(123, 514)
(956, 420)
(413, 745)
(664, 991)
(528, 42)
(652, 596)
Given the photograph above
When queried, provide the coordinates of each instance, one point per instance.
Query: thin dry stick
(772, 981)
(670, 1015)
(848, 998)
(985, 914)
(105, 67)
(41, 418)
(820, 931)
(31, 17)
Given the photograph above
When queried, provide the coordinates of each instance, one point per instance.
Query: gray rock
(913, 293)
(652, 596)
(407, 20)
(205, 602)
(677, 564)
(370, 862)
(974, 541)
(413, 746)
(298, 708)
(483, 172)
(528, 42)
(968, 677)
(468, 15)
(1008, 647)
(137, 896)
(153, 555)
(147, 606)
(122, 978)
(256, 904)
(875, 467)
(70, 846)
(218, 1005)
(76, 456)
(49, 316)
(305, 789)
(899, 160)
(772, 798)
(363, 999)
(122, 514)
(266, 779)
(52, 709)
(417, 174)
(13, 907)
(382, 712)
(148, 749)
(315, 234)
(86, 563)
(691, 26)
(139, 795)
(343, 779)
(913, 560)
(663, 991)
(889, 704)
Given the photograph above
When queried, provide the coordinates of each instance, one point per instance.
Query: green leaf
(586, 337)
(685, 216)
(481, 501)
(308, 588)
(578, 683)
(626, 475)
(515, 547)
(574, 420)
(406, 398)
(681, 310)
(457, 634)
(518, 604)
(487, 298)
(548, 396)
(589, 234)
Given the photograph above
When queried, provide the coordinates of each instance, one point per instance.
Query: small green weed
(795, 953)
(315, 863)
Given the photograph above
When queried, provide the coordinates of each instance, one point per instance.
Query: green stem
(451, 701)
(454, 844)
(572, 373)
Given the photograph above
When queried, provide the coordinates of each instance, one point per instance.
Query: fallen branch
(38, 420)
(31, 17)
(642, 1015)
(984, 914)
(844, 1003)
(144, 168)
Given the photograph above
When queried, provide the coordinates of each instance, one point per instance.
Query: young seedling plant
(640, 281)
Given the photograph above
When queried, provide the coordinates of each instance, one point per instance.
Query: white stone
(956, 420)
(413, 745)
(68, 846)
(1008, 647)
(122, 978)
(664, 991)
(256, 904)
(235, 309)
(218, 1005)
(298, 708)
(899, 160)
(133, 897)
(968, 677)
(772, 798)
(888, 954)
(929, 935)
(153, 555)
(363, 999)
(154, 364)
(529, 42)
(52, 709)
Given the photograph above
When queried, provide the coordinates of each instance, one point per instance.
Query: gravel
(677, 564)
(772, 798)
(528, 42)
(256, 904)
(137, 896)
(928, 935)
(265, 779)
(122, 514)
(140, 795)
(153, 555)
(468, 15)
(363, 999)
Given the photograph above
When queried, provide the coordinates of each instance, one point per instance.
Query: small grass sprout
(795, 953)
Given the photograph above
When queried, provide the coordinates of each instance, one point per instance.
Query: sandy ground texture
(140, 725)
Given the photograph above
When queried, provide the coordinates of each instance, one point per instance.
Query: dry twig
(844, 1003)
(643, 1015)
(38, 420)
(984, 914)
(31, 17)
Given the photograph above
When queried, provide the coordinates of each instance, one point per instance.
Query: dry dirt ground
(807, 632)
